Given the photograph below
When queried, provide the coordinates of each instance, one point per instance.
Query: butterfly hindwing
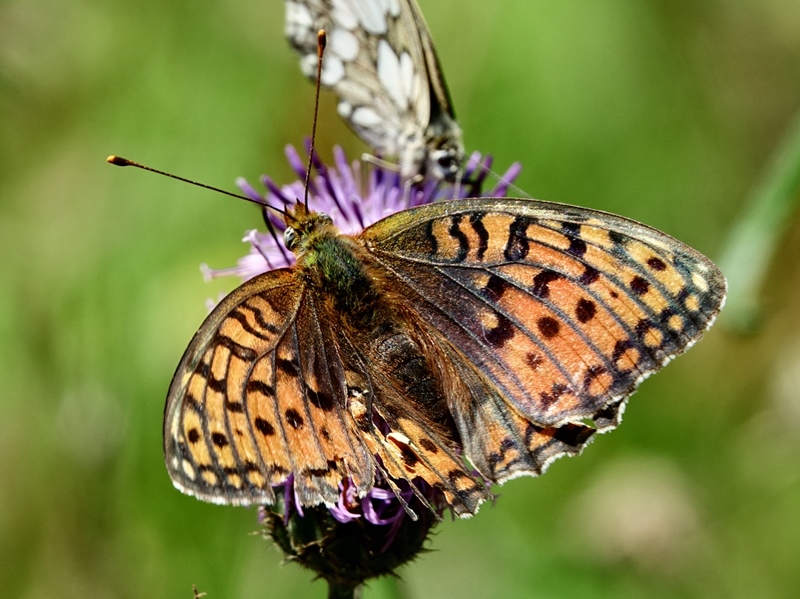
(500, 442)
(564, 309)
(381, 63)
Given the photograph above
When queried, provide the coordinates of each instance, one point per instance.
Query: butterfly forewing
(564, 309)
(381, 63)
(256, 400)
(208, 392)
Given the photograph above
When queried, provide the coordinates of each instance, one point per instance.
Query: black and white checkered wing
(381, 63)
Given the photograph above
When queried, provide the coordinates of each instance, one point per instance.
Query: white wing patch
(389, 74)
(345, 110)
(409, 78)
(343, 14)
(298, 20)
(372, 17)
(365, 117)
(332, 71)
(344, 44)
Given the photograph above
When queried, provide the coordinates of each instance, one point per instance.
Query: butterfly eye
(446, 161)
(445, 164)
(290, 238)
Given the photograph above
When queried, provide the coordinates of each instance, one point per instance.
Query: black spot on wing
(617, 238)
(256, 386)
(218, 385)
(548, 399)
(203, 369)
(320, 399)
(548, 327)
(589, 276)
(585, 310)
(533, 360)
(501, 333)
(410, 459)
(245, 324)
(542, 280)
(639, 285)
(194, 436)
(428, 445)
(190, 401)
(293, 418)
(243, 353)
(288, 367)
(577, 246)
(258, 315)
(264, 427)
(495, 288)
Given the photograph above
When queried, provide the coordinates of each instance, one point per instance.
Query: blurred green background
(667, 111)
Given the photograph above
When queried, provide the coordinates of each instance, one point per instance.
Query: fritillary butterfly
(459, 343)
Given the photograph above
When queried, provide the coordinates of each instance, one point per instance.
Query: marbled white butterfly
(382, 65)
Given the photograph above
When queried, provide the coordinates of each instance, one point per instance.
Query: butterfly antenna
(322, 41)
(517, 188)
(120, 161)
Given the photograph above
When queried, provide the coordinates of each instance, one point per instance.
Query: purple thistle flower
(358, 538)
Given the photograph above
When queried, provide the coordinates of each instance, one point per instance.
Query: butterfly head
(303, 226)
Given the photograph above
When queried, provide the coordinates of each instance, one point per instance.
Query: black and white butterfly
(381, 63)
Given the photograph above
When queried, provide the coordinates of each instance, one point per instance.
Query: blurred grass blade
(752, 242)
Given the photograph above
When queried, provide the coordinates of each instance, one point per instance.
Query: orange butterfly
(461, 343)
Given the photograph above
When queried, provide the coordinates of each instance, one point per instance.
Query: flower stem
(753, 241)
(344, 590)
